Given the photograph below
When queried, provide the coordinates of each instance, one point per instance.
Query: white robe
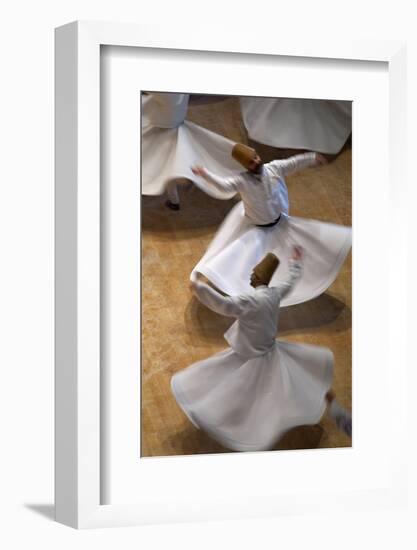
(311, 124)
(171, 145)
(265, 194)
(247, 396)
(239, 245)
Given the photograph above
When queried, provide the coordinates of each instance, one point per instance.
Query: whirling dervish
(247, 396)
(260, 222)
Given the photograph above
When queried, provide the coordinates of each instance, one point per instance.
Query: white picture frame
(79, 410)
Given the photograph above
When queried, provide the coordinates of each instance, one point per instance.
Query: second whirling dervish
(260, 223)
(247, 396)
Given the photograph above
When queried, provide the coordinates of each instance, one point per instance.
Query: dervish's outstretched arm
(219, 183)
(295, 272)
(296, 163)
(230, 306)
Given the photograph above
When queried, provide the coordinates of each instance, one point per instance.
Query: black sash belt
(270, 224)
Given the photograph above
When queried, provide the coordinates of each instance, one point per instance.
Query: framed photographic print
(180, 220)
(145, 120)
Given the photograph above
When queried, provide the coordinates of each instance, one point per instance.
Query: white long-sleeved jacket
(264, 195)
(255, 329)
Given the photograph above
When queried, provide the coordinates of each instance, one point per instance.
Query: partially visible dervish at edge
(171, 144)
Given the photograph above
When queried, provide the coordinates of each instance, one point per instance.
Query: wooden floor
(177, 330)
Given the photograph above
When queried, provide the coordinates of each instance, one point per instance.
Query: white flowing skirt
(169, 153)
(248, 404)
(239, 245)
(312, 124)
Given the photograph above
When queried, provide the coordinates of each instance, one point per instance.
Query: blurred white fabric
(239, 245)
(310, 124)
(171, 145)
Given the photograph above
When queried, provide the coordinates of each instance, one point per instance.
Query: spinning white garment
(248, 404)
(171, 145)
(239, 245)
(310, 124)
(249, 395)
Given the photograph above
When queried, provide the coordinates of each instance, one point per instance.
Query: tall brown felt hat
(243, 154)
(266, 268)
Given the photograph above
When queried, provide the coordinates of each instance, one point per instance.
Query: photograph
(246, 278)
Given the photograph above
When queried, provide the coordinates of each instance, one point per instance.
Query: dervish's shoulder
(269, 295)
(247, 301)
(245, 176)
(273, 168)
(262, 296)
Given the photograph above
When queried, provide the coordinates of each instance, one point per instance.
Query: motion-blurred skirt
(247, 404)
(239, 245)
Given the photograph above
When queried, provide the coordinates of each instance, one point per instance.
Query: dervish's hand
(193, 281)
(297, 253)
(198, 170)
(321, 159)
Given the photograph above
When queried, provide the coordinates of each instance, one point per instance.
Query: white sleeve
(295, 273)
(221, 184)
(292, 164)
(231, 306)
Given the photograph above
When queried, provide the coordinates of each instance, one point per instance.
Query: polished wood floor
(177, 330)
